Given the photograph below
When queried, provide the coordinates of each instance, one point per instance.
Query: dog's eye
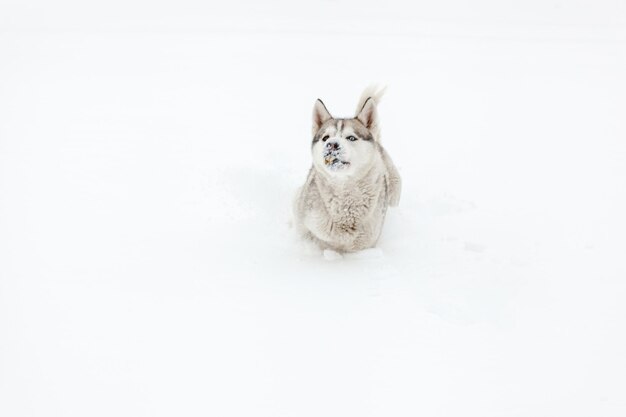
(351, 138)
(325, 138)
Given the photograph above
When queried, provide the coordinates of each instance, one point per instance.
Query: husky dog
(343, 202)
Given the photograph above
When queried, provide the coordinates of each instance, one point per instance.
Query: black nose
(332, 145)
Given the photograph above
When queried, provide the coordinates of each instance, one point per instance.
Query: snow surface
(148, 157)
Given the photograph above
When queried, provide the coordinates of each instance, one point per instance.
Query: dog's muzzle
(332, 156)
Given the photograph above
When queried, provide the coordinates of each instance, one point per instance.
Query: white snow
(149, 154)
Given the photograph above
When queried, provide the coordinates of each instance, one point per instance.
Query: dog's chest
(350, 206)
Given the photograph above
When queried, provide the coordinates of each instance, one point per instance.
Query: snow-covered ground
(148, 157)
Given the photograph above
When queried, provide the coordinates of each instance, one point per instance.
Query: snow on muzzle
(333, 156)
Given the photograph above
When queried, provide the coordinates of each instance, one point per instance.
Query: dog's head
(344, 148)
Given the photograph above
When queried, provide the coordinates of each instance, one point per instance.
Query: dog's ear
(320, 115)
(368, 114)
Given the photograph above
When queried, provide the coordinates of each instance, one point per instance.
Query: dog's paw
(331, 255)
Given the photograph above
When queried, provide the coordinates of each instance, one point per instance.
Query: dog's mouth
(332, 160)
(335, 163)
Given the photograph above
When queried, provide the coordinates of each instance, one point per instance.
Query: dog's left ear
(368, 114)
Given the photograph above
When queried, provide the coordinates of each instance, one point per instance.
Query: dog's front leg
(392, 180)
(326, 229)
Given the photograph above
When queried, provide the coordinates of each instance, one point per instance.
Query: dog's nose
(332, 145)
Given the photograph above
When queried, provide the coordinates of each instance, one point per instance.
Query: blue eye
(351, 138)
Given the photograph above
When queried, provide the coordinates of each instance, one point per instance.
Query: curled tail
(374, 92)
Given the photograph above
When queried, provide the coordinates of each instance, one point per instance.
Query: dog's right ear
(320, 115)
(368, 115)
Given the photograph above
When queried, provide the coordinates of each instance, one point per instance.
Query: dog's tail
(374, 92)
